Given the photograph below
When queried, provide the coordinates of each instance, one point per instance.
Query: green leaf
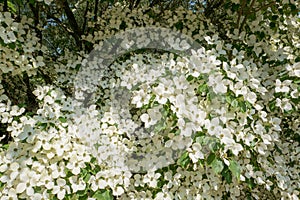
(274, 17)
(11, 6)
(217, 165)
(5, 146)
(184, 160)
(250, 182)
(227, 175)
(81, 193)
(202, 88)
(235, 7)
(243, 106)
(211, 142)
(123, 25)
(190, 78)
(12, 45)
(234, 167)
(87, 178)
(100, 195)
(272, 25)
(62, 119)
(179, 25)
(234, 103)
(210, 158)
(272, 105)
(228, 99)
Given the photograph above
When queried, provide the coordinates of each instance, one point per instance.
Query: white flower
(195, 152)
(155, 114)
(163, 195)
(118, 191)
(282, 86)
(161, 93)
(61, 146)
(294, 70)
(284, 104)
(60, 189)
(77, 184)
(217, 82)
(236, 148)
(16, 111)
(188, 129)
(196, 115)
(180, 82)
(225, 136)
(48, 99)
(261, 148)
(74, 164)
(151, 179)
(28, 179)
(146, 119)
(213, 126)
(251, 97)
(140, 97)
(180, 105)
(28, 133)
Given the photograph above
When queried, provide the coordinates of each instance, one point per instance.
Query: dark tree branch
(246, 14)
(5, 6)
(212, 6)
(36, 16)
(264, 7)
(60, 23)
(134, 3)
(73, 23)
(241, 12)
(137, 3)
(85, 18)
(46, 78)
(30, 96)
(153, 2)
(96, 10)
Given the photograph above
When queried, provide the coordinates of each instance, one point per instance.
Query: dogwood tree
(149, 99)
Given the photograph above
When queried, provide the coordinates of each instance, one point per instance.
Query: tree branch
(245, 16)
(5, 6)
(85, 18)
(96, 10)
(264, 7)
(36, 15)
(30, 96)
(240, 13)
(46, 78)
(212, 6)
(60, 23)
(137, 3)
(73, 23)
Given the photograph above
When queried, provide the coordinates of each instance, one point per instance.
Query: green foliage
(217, 165)
(184, 160)
(103, 195)
(234, 167)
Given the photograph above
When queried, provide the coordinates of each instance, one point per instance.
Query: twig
(60, 23)
(264, 6)
(241, 11)
(245, 17)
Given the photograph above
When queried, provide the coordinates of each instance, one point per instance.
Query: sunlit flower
(195, 152)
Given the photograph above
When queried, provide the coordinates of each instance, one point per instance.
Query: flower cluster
(210, 119)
